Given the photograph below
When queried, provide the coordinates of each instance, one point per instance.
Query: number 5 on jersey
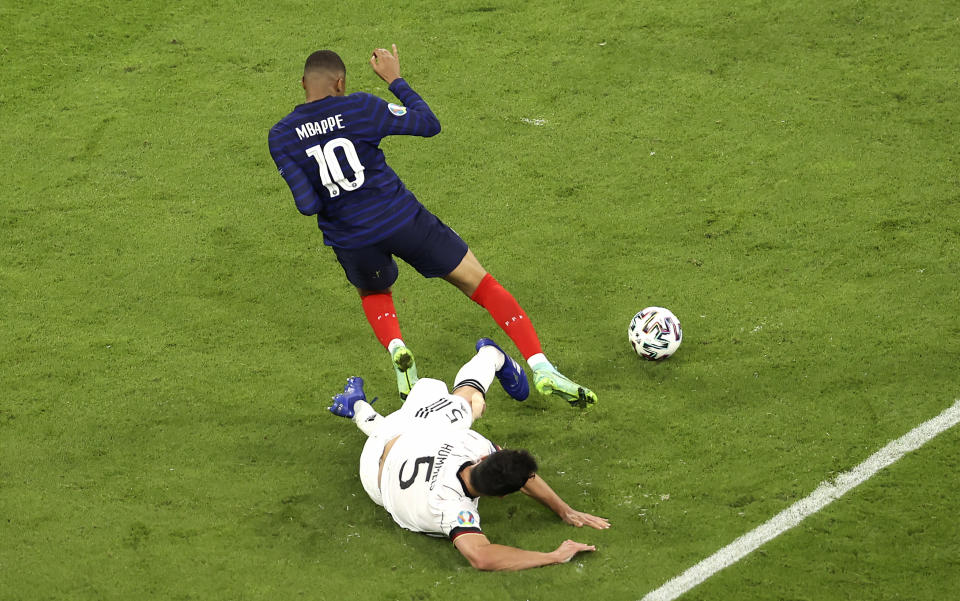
(405, 484)
(331, 174)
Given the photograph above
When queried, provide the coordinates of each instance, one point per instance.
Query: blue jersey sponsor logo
(397, 109)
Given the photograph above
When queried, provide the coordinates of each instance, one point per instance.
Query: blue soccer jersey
(328, 152)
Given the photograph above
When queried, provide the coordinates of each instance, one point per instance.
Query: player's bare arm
(537, 488)
(484, 555)
(386, 64)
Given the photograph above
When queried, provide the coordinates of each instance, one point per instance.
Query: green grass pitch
(783, 176)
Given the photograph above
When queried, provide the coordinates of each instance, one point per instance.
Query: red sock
(382, 316)
(508, 314)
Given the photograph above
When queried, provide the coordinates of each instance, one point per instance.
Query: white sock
(539, 361)
(394, 344)
(366, 417)
(498, 357)
(479, 371)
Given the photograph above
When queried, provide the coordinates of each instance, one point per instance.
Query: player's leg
(511, 375)
(382, 315)
(474, 378)
(482, 288)
(373, 271)
(352, 404)
(486, 291)
(435, 250)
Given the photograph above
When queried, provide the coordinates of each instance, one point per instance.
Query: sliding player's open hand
(569, 548)
(580, 519)
(386, 64)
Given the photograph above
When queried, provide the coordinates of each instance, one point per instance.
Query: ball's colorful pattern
(655, 333)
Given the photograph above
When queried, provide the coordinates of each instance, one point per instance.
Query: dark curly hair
(503, 472)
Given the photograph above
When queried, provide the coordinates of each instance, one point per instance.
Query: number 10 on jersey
(331, 174)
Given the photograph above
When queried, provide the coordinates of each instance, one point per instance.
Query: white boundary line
(826, 493)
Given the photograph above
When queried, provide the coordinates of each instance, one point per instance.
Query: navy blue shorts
(426, 244)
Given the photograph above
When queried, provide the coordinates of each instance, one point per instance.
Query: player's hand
(580, 519)
(568, 549)
(386, 64)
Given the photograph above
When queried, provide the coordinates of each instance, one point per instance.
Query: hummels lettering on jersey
(318, 128)
(442, 455)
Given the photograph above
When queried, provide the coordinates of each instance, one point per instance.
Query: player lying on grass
(428, 469)
(328, 151)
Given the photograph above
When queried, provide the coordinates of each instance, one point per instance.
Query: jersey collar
(460, 478)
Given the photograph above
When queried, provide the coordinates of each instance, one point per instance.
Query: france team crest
(465, 518)
(397, 109)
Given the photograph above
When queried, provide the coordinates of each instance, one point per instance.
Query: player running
(328, 152)
(428, 469)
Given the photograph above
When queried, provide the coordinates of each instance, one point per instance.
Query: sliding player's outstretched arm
(484, 555)
(537, 488)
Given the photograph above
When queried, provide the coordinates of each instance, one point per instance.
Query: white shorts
(429, 405)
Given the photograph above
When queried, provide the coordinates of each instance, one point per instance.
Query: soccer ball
(655, 333)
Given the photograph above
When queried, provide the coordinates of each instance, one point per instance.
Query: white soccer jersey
(420, 485)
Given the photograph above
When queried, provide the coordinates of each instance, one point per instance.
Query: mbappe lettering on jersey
(318, 128)
(441, 455)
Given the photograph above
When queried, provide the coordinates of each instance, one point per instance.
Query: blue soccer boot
(353, 391)
(511, 375)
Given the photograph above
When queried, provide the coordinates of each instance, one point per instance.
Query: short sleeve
(459, 519)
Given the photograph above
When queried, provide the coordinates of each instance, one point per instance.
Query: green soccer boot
(406, 369)
(549, 382)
